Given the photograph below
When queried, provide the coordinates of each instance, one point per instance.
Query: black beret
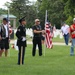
(22, 19)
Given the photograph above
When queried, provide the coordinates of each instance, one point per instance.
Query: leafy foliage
(69, 10)
(58, 11)
(22, 8)
(55, 11)
(2, 11)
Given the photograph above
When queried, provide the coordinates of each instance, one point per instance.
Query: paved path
(54, 43)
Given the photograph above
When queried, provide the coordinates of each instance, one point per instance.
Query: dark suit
(21, 32)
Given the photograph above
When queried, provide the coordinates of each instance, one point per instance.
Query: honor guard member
(4, 37)
(21, 41)
(37, 33)
(72, 37)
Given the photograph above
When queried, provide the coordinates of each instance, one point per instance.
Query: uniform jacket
(21, 32)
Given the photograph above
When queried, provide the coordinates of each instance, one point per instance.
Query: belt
(4, 37)
(66, 34)
(23, 36)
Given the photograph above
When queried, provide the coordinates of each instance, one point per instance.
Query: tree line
(59, 11)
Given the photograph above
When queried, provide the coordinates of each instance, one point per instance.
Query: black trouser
(21, 49)
(37, 41)
(5, 44)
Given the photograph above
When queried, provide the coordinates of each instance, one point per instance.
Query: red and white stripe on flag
(48, 37)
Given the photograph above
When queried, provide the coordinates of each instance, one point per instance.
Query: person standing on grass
(72, 37)
(65, 32)
(4, 37)
(21, 40)
(37, 37)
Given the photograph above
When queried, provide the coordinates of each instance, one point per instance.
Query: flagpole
(45, 31)
(46, 17)
(8, 28)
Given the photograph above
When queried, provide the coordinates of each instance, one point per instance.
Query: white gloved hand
(23, 39)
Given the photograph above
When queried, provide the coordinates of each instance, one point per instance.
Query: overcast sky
(2, 2)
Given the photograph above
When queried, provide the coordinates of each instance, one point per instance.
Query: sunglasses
(38, 21)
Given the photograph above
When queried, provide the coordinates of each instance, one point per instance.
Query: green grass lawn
(56, 62)
(57, 39)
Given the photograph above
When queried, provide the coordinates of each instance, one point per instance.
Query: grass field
(56, 62)
(57, 39)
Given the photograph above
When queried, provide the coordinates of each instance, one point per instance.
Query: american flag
(48, 36)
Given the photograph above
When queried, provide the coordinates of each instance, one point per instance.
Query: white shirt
(6, 28)
(65, 29)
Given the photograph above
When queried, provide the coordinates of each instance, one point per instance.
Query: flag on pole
(48, 34)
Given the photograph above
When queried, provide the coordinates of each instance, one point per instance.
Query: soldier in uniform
(4, 37)
(21, 41)
(72, 37)
(37, 33)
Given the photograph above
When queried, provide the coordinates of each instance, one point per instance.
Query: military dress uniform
(21, 33)
(37, 40)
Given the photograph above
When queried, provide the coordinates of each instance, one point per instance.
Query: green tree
(55, 11)
(22, 8)
(69, 7)
(69, 10)
(3, 11)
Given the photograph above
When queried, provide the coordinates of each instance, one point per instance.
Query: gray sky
(2, 2)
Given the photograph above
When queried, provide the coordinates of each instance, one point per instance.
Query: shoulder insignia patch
(18, 30)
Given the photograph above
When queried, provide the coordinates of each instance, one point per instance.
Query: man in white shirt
(4, 37)
(65, 32)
